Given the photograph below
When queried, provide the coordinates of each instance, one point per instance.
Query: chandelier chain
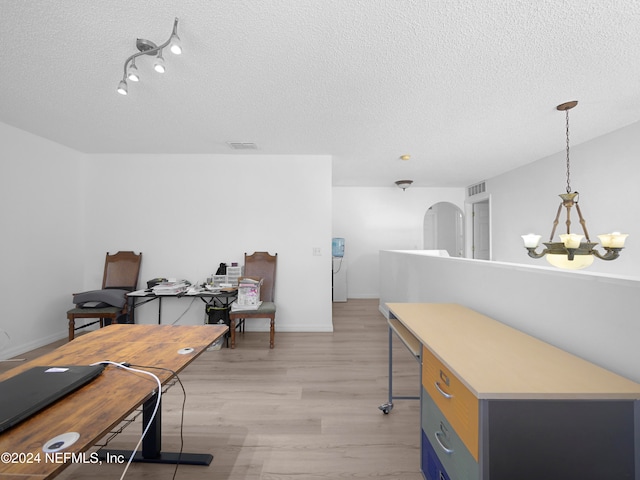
(568, 165)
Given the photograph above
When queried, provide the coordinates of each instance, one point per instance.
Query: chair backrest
(121, 270)
(262, 265)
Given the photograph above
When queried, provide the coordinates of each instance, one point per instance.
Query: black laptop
(32, 390)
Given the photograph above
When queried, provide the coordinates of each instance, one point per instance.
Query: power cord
(6, 334)
(339, 265)
(183, 313)
(184, 401)
(155, 409)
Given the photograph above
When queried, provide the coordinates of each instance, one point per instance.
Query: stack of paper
(171, 288)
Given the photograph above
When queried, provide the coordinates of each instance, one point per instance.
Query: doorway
(481, 230)
(444, 229)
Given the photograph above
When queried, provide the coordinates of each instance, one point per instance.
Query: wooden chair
(258, 265)
(121, 271)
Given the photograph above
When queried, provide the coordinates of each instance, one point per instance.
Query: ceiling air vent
(242, 145)
(476, 189)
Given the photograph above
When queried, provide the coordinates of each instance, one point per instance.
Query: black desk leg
(152, 444)
(132, 309)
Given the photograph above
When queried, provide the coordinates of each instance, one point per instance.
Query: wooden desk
(501, 405)
(98, 407)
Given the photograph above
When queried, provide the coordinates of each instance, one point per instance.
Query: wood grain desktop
(96, 408)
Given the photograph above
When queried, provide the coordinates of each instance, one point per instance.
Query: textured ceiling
(468, 89)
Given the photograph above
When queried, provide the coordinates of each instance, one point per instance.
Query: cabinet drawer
(455, 401)
(448, 446)
(432, 469)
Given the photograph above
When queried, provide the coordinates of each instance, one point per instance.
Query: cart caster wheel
(386, 408)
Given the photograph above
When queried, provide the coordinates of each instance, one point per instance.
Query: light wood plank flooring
(307, 409)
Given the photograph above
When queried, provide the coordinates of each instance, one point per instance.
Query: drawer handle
(442, 392)
(447, 450)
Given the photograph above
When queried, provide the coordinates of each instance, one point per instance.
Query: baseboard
(255, 326)
(17, 350)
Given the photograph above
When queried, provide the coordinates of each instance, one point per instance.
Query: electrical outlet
(317, 252)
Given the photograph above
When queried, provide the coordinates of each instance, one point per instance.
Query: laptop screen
(32, 390)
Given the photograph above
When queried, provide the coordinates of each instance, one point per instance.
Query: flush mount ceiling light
(404, 184)
(572, 252)
(147, 47)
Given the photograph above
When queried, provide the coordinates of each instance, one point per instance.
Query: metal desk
(222, 298)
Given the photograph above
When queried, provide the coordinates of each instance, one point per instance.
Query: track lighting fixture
(147, 47)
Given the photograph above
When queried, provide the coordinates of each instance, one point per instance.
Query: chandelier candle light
(574, 251)
(147, 47)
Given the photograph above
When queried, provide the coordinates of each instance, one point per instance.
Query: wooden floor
(307, 409)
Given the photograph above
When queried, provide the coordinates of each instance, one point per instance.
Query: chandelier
(573, 251)
(147, 47)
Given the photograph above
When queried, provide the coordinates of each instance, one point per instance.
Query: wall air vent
(476, 189)
(242, 145)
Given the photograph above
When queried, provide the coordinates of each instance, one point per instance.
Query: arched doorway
(444, 229)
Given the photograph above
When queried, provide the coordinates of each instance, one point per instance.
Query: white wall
(62, 210)
(380, 218)
(591, 315)
(43, 215)
(605, 171)
(41, 198)
(188, 213)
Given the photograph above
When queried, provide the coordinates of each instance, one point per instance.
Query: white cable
(184, 401)
(155, 410)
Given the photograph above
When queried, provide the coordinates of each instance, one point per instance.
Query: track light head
(159, 65)
(174, 42)
(132, 73)
(175, 46)
(122, 87)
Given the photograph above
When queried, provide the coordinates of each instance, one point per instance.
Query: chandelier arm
(610, 254)
(151, 51)
(555, 223)
(533, 254)
(568, 221)
(583, 222)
